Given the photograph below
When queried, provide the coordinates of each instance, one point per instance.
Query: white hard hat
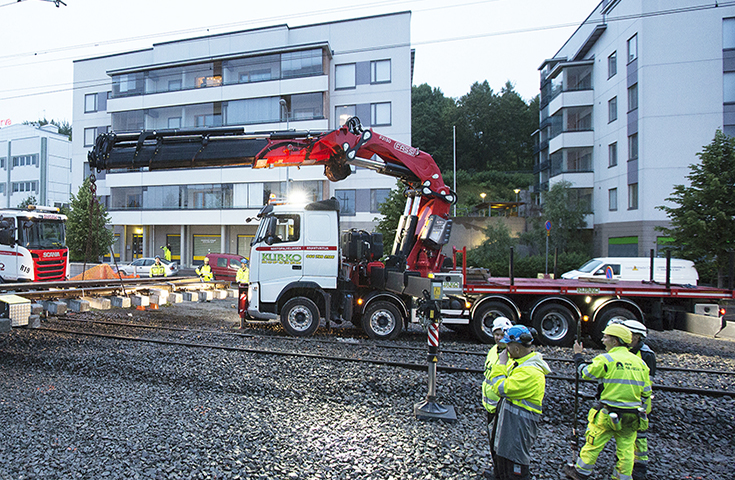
(501, 323)
(636, 327)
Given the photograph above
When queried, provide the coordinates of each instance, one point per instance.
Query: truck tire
(300, 317)
(555, 324)
(382, 321)
(482, 320)
(616, 313)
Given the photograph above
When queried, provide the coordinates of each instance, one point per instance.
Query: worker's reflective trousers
(599, 431)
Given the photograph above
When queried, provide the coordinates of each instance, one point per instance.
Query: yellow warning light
(359, 301)
(585, 318)
(467, 305)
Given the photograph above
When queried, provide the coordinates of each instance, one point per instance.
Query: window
(174, 85)
(380, 113)
(632, 48)
(22, 160)
(612, 154)
(2, 163)
(380, 71)
(90, 103)
(612, 65)
(174, 122)
(633, 196)
(632, 97)
(344, 76)
(578, 119)
(2, 188)
(612, 109)
(633, 147)
(377, 197)
(25, 187)
(346, 200)
(89, 135)
(209, 120)
(728, 87)
(301, 64)
(288, 228)
(612, 199)
(342, 114)
(728, 33)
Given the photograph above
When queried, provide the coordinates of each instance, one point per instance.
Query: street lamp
(282, 102)
(482, 196)
(517, 190)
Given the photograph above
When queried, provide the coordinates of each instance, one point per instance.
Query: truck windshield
(590, 266)
(42, 233)
(262, 229)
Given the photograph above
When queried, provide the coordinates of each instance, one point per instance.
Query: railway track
(452, 360)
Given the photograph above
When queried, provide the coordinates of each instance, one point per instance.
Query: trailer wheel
(482, 320)
(617, 313)
(300, 317)
(382, 321)
(555, 325)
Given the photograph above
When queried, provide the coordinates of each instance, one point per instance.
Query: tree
(31, 200)
(566, 214)
(64, 126)
(703, 220)
(391, 209)
(81, 227)
(431, 124)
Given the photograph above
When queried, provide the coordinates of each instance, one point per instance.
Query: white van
(637, 269)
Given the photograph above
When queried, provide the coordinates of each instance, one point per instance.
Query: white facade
(627, 103)
(34, 162)
(357, 67)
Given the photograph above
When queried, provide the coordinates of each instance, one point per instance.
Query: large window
(633, 146)
(728, 33)
(632, 97)
(90, 103)
(344, 76)
(612, 154)
(632, 48)
(633, 196)
(31, 186)
(612, 199)
(612, 109)
(89, 136)
(578, 78)
(380, 71)
(301, 64)
(612, 65)
(346, 200)
(22, 160)
(728, 87)
(578, 119)
(377, 197)
(380, 113)
(342, 114)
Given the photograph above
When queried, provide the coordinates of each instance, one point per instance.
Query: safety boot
(572, 473)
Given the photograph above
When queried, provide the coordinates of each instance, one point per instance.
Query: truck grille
(50, 269)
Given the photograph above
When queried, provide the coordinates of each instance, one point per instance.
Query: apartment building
(626, 104)
(34, 162)
(310, 77)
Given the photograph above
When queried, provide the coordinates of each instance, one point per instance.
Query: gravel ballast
(82, 407)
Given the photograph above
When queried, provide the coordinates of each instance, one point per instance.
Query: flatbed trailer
(554, 306)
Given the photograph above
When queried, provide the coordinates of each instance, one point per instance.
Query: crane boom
(336, 150)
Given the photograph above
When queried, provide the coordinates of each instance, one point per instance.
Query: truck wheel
(482, 320)
(555, 325)
(382, 321)
(300, 317)
(617, 313)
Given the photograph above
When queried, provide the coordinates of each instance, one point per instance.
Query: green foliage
(64, 126)
(497, 185)
(391, 209)
(31, 200)
(703, 220)
(80, 227)
(494, 253)
(567, 223)
(431, 124)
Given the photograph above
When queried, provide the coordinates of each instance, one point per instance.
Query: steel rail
(333, 342)
(404, 365)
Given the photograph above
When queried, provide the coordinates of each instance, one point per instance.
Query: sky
(456, 45)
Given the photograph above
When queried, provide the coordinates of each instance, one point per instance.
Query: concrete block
(206, 295)
(232, 293)
(36, 308)
(158, 299)
(219, 294)
(140, 300)
(55, 307)
(161, 293)
(191, 296)
(175, 298)
(77, 305)
(5, 325)
(34, 321)
(121, 302)
(99, 303)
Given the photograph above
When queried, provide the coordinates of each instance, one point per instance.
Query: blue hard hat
(518, 334)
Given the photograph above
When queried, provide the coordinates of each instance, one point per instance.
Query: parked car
(142, 267)
(225, 265)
